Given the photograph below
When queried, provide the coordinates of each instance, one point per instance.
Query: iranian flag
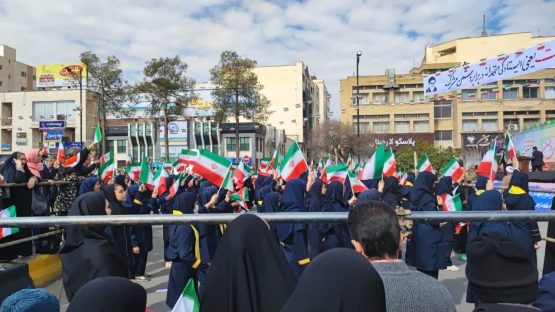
(242, 173)
(129, 160)
(264, 167)
(389, 166)
(160, 180)
(134, 171)
(175, 185)
(73, 160)
(374, 167)
(212, 167)
(106, 171)
(188, 157)
(97, 134)
(168, 165)
(403, 176)
(356, 185)
(424, 164)
(274, 160)
(105, 158)
(61, 152)
(241, 196)
(146, 176)
(488, 165)
(294, 164)
(453, 170)
(335, 173)
(451, 203)
(510, 148)
(188, 301)
(8, 213)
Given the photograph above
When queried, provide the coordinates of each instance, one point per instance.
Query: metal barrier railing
(278, 217)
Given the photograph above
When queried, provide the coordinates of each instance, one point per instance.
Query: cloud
(324, 34)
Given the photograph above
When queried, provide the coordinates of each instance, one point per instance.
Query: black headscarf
(109, 294)
(185, 202)
(293, 196)
(519, 179)
(87, 185)
(271, 202)
(338, 280)
(110, 194)
(481, 182)
(249, 271)
(369, 195)
(314, 199)
(88, 204)
(120, 180)
(423, 187)
(444, 186)
(391, 191)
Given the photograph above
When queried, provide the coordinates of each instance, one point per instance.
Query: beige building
(297, 99)
(14, 75)
(395, 103)
(58, 112)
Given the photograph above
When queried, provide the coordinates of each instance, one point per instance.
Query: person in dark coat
(445, 187)
(481, 183)
(369, 195)
(424, 246)
(391, 192)
(249, 271)
(405, 190)
(138, 202)
(516, 197)
(109, 294)
(208, 232)
(88, 252)
(15, 170)
(315, 203)
(90, 184)
(338, 280)
(334, 234)
(183, 249)
(537, 160)
(549, 260)
(293, 236)
(485, 201)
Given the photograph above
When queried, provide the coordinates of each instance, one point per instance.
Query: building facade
(14, 75)
(395, 103)
(31, 119)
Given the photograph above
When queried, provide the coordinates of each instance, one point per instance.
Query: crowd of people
(250, 265)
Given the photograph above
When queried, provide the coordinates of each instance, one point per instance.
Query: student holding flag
(334, 234)
(444, 192)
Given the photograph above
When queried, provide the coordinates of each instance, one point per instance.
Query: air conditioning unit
(512, 127)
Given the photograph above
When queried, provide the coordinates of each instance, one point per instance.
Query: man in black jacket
(537, 160)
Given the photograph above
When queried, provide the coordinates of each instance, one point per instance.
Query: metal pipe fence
(278, 217)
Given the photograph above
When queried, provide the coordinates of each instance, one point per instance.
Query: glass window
(363, 127)
(550, 92)
(244, 144)
(122, 146)
(443, 135)
(488, 95)
(381, 127)
(230, 144)
(401, 97)
(469, 95)
(531, 122)
(402, 126)
(362, 99)
(510, 94)
(530, 92)
(421, 126)
(510, 124)
(38, 111)
(419, 96)
(489, 124)
(442, 109)
(379, 98)
(470, 125)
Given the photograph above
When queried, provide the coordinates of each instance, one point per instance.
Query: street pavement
(156, 288)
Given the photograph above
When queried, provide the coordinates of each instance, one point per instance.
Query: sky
(324, 34)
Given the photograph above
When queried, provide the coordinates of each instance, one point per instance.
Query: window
(23, 88)
(443, 109)
(381, 127)
(421, 126)
(470, 125)
(362, 99)
(530, 92)
(531, 122)
(488, 95)
(23, 74)
(489, 124)
(469, 95)
(379, 98)
(244, 144)
(53, 110)
(510, 94)
(510, 124)
(122, 146)
(401, 97)
(363, 127)
(230, 144)
(402, 126)
(549, 92)
(443, 135)
(419, 96)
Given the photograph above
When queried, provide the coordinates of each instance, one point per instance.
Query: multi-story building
(14, 75)
(394, 104)
(255, 140)
(31, 119)
(296, 101)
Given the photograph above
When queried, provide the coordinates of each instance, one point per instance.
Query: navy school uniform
(293, 236)
(139, 203)
(334, 234)
(271, 204)
(208, 232)
(314, 203)
(445, 186)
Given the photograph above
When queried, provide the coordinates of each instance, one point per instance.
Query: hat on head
(30, 300)
(500, 270)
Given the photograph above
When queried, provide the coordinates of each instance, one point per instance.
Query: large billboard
(177, 138)
(60, 75)
(543, 137)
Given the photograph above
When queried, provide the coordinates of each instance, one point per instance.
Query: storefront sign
(400, 140)
(51, 125)
(53, 135)
(6, 147)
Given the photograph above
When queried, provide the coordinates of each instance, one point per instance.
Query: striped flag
(424, 164)
(61, 153)
(105, 158)
(213, 168)
(188, 157)
(106, 171)
(390, 165)
(9, 212)
(242, 197)
(134, 171)
(175, 186)
(488, 165)
(168, 165)
(294, 164)
(274, 160)
(451, 203)
(453, 170)
(373, 169)
(146, 177)
(335, 173)
(510, 148)
(242, 173)
(97, 134)
(188, 301)
(356, 185)
(129, 160)
(72, 161)
(160, 180)
(264, 167)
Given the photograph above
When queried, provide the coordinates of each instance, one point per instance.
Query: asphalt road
(156, 288)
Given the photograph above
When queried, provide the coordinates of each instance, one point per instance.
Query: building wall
(17, 116)
(324, 102)
(14, 76)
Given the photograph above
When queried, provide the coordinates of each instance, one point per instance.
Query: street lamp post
(359, 53)
(81, 105)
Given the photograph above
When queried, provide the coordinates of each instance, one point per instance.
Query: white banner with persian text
(512, 65)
